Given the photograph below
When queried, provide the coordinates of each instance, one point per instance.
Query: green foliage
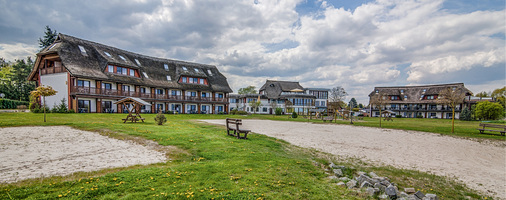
(11, 104)
(160, 118)
(294, 115)
(500, 96)
(486, 110)
(254, 105)
(241, 112)
(60, 108)
(247, 90)
(465, 115)
(353, 103)
(49, 37)
(13, 80)
(361, 105)
(482, 94)
(398, 116)
(419, 116)
(278, 111)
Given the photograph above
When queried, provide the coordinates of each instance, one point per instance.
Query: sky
(358, 45)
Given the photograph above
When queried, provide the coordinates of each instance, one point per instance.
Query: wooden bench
(497, 126)
(328, 118)
(234, 125)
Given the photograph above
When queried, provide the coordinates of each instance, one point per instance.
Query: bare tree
(255, 105)
(452, 97)
(379, 100)
(336, 99)
(274, 105)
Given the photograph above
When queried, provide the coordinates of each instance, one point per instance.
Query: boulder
(332, 165)
(419, 195)
(373, 175)
(344, 179)
(341, 184)
(409, 190)
(365, 184)
(380, 187)
(351, 184)
(431, 197)
(370, 191)
(391, 192)
(338, 172)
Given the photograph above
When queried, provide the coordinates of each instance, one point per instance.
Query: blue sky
(354, 44)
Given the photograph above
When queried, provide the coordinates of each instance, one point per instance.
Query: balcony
(80, 90)
(52, 70)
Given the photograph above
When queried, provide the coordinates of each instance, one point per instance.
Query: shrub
(241, 112)
(71, 111)
(419, 116)
(233, 111)
(488, 110)
(11, 104)
(294, 115)
(278, 111)
(160, 118)
(221, 113)
(170, 112)
(398, 116)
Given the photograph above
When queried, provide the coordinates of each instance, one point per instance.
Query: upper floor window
(220, 95)
(402, 91)
(125, 87)
(122, 70)
(159, 91)
(143, 90)
(394, 98)
(107, 86)
(168, 78)
(166, 66)
(185, 79)
(132, 72)
(405, 97)
(110, 68)
(83, 83)
(424, 90)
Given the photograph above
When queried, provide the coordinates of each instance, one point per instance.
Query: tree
(254, 105)
(336, 98)
(452, 97)
(486, 110)
(379, 100)
(353, 103)
(482, 94)
(274, 105)
(18, 79)
(499, 95)
(49, 38)
(465, 115)
(160, 118)
(247, 90)
(360, 105)
(44, 92)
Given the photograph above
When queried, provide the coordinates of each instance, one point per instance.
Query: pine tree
(465, 115)
(49, 38)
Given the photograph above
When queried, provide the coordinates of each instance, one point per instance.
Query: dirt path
(32, 152)
(480, 165)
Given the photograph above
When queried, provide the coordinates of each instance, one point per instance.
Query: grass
(206, 164)
(466, 129)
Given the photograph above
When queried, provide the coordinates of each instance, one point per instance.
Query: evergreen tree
(465, 115)
(353, 103)
(20, 87)
(49, 38)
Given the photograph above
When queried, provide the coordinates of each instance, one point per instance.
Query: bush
(294, 115)
(233, 111)
(278, 111)
(11, 104)
(160, 118)
(398, 116)
(419, 116)
(241, 112)
(221, 113)
(488, 111)
(71, 111)
(465, 115)
(169, 112)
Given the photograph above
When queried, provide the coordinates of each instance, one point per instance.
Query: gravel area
(33, 152)
(480, 165)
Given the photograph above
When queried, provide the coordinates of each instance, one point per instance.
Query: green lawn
(207, 164)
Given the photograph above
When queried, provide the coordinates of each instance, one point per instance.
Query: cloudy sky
(355, 44)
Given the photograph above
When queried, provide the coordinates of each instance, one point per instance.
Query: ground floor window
(159, 107)
(192, 109)
(219, 108)
(264, 109)
(107, 107)
(83, 106)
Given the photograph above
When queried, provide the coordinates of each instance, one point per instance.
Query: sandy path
(479, 165)
(31, 152)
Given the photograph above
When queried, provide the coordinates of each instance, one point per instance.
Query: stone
(419, 195)
(338, 172)
(380, 187)
(341, 184)
(333, 177)
(391, 192)
(383, 196)
(403, 194)
(344, 179)
(385, 183)
(363, 178)
(360, 173)
(373, 175)
(351, 184)
(365, 184)
(332, 165)
(431, 197)
(370, 191)
(409, 190)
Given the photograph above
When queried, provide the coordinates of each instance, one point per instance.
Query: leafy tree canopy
(48, 38)
(488, 111)
(482, 94)
(247, 90)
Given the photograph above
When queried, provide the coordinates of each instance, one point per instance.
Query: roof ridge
(431, 85)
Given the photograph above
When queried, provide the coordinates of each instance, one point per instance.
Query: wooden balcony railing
(111, 92)
(52, 70)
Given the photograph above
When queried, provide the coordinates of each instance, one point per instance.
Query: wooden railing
(111, 92)
(52, 70)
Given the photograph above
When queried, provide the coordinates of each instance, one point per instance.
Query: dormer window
(209, 72)
(168, 78)
(122, 58)
(424, 90)
(108, 54)
(405, 97)
(83, 51)
(402, 91)
(166, 66)
(196, 70)
(145, 75)
(184, 68)
(137, 61)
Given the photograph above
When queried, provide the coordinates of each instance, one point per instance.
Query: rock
(431, 197)
(419, 195)
(409, 190)
(341, 167)
(403, 194)
(412, 197)
(363, 178)
(365, 184)
(370, 191)
(383, 196)
(385, 183)
(373, 175)
(351, 184)
(380, 187)
(341, 184)
(332, 165)
(333, 177)
(361, 173)
(402, 198)
(344, 179)
(391, 192)
(338, 172)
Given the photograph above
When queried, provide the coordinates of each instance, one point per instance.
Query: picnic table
(134, 112)
(234, 126)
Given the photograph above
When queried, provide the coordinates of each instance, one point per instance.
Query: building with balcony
(413, 101)
(92, 76)
(288, 95)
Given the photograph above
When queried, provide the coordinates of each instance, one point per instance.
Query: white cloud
(17, 51)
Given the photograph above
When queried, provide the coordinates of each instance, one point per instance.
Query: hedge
(11, 104)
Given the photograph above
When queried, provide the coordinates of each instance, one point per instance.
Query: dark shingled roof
(93, 64)
(273, 89)
(414, 93)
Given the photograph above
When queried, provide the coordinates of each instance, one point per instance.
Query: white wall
(59, 83)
